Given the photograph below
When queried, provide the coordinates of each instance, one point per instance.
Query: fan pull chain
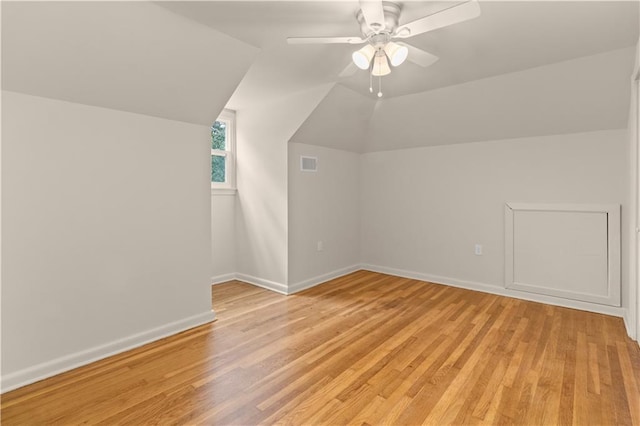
(370, 82)
(379, 86)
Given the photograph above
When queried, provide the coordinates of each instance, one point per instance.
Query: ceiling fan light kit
(363, 57)
(397, 54)
(369, 56)
(380, 65)
(379, 26)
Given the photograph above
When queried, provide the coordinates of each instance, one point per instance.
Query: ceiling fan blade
(419, 56)
(325, 40)
(349, 70)
(373, 13)
(459, 13)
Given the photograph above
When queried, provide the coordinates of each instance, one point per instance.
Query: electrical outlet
(478, 249)
(320, 246)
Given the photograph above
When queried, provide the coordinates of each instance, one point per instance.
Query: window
(223, 151)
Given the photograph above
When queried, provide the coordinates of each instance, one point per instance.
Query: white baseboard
(469, 285)
(261, 282)
(222, 278)
(282, 288)
(629, 324)
(501, 291)
(308, 283)
(69, 362)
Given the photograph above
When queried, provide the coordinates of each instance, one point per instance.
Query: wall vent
(308, 164)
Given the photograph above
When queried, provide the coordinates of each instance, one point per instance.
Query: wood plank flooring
(365, 349)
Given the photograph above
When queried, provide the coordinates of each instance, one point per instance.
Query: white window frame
(229, 185)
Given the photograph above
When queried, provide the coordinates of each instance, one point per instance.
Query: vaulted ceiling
(508, 36)
(132, 56)
(503, 70)
(521, 69)
(578, 95)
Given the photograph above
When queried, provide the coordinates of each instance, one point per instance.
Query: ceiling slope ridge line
(202, 25)
(493, 76)
(515, 139)
(283, 96)
(331, 87)
(339, 96)
(103, 107)
(362, 95)
(319, 88)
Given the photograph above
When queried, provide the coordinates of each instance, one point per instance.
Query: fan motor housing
(391, 14)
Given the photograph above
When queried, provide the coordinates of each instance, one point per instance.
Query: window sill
(223, 191)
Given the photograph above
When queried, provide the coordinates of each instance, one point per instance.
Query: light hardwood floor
(363, 349)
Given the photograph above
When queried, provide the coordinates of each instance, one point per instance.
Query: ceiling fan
(379, 27)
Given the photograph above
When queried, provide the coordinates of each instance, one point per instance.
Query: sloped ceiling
(579, 95)
(340, 121)
(521, 69)
(512, 36)
(508, 36)
(130, 56)
(185, 60)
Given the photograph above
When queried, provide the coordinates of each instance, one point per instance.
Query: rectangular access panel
(564, 250)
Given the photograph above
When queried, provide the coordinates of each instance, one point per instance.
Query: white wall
(631, 300)
(323, 206)
(223, 237)
(425, 208)
(636, 185)
(106, 223)
(263, 132)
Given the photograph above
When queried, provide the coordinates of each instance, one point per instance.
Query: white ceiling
(183, 60)
(130, 56)
(578, 95)
(508, 36)
(340, 121)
